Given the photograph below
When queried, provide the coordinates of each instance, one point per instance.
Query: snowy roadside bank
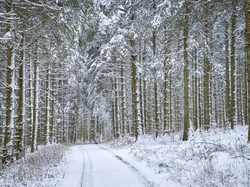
(44, 168)
(214, 158)
(155, 179)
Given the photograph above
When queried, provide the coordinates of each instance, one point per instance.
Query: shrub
(36, 169)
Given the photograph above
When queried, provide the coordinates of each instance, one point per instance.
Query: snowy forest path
(86, 178)
(92, 166)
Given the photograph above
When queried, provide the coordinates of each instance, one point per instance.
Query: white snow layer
(218, 157)
(92, 166)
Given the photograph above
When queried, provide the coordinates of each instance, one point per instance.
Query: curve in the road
(104, 169)
(140, 176)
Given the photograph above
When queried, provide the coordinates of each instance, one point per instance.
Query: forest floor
(218, 157)
(92, 166)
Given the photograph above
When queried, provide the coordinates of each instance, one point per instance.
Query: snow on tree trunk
(122, 101)
(227, 90)
(47, 124)
(186, 80)
(21, 104)
(10, 110)
(233, 75)
(247, 25)
(134, 93)
(35, 102)
(7, 155)
(53, 122)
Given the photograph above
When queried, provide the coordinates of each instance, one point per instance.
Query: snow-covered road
(92, 166)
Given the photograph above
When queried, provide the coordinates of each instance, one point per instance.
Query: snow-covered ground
(92, 166)
(44, 168)
(214, 158)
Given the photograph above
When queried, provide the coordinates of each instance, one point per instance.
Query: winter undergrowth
(214, 158)
(39, 169)
(123, 140)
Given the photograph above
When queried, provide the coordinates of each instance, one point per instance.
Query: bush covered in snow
(123, 140)
(217, 157)
(36, 169)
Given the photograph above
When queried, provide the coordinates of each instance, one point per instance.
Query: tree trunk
(21, 104)
(141, 122)
(195, 95)
(232, 59)
(134, 94)
(156, 115)
(228, 100)
(186, 82)
(207, 72)
(247, 22)
(117, 130)
(123, 109)
(170, 104)
(145, 104)
(52, 118)
(165, 85)
(165, 96)
(35, 102)
(47, 122)
(7, 154)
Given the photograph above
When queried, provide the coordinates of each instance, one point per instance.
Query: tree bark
(47, 122)
(7, 154)
(232, 59)
(247, 25)
(21, 103)
(134, 94)
(186, 81)
(207, 71)
(123, 101)
(228, 100)
(35, 102)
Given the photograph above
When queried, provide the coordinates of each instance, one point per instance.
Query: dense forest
(96, 70)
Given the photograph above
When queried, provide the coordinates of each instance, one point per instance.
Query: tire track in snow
(143, 180)
(87, 170)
